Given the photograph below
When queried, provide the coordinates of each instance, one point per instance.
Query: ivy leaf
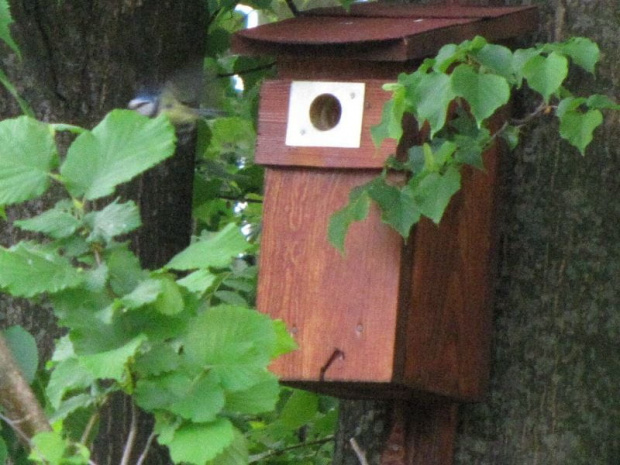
(584, 52)
(58, 222)
(434, 191)
(197, 443)
(602, 102)
(396, 204)
(545, 75)
(24, 350)
(497, 59)
(431, 98)
(119, 148)
(390, 126)
(28, 269)
(115, 219)
(485, 93)
(214, 251)
(355, 210)
(577, 127)
(27, 156)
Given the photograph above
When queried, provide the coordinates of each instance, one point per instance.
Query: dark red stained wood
(415, 318)
(328, 301)
(380, 32)
(272, 150)
(449, 322)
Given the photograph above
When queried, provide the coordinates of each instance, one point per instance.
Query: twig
(147, 447)
(273, 453)
(361, 455)
(247, 71)
(131, 437)
(89, 426)
(293, 8)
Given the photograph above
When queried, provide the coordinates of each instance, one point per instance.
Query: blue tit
(179, 98)
(180, 114)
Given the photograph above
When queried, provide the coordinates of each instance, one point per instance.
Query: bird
(152, 104)
(179, 98)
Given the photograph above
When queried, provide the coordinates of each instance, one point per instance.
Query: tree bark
(80, 60)
(553, 397)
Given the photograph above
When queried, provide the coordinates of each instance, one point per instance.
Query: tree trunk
(554, 395)
(81, 59)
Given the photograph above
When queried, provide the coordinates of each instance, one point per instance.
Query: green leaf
(235, 454)
(485, 93)
(602, 102)
(67, 376)
(497, 59)
(431, 98)
(115, 219)
(355, 210)
(584, 52)
(235, 343)
(578, 127)
(170, 300)
(4, 452)
(390, 126)
(511, 135)
(23, 105)
(397, 206)
(300, 408)
(48, 447)
(198, 443)
(27, 156)
(119, 148)
(545, 75)
(58, 222)
(199, 400)
(434, 191)
(5, 22)
(198, 281)
(112, 364)
(144, 293)
(24, 349)
(259, 398)
(213, 251)
(27, 270)
(284, 341)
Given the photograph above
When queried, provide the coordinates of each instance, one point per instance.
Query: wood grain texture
(449, 323)
(329, 301)
(271, 148)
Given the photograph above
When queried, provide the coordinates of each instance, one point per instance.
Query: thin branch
(293, 8)
(131, 437)
(90, 425)
(361, 455)
(247, 71)
(273, 453)
(147, 447)
(16, 397)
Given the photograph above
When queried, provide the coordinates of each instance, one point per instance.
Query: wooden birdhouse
(390, 318)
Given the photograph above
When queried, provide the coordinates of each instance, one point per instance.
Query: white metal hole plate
(300, 132)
